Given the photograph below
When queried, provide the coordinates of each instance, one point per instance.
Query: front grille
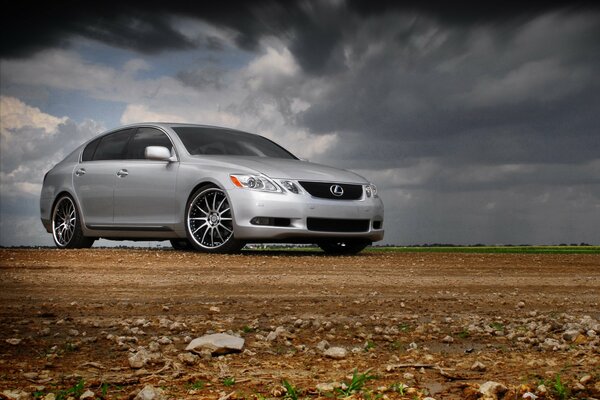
(337, 225)
(323, 190)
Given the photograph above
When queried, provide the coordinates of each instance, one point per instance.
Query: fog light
(261, 221)
(290, 186)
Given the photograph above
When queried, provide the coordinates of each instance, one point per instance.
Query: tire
(341, 247)
(181, 244)
(66, 225)
(209, 222)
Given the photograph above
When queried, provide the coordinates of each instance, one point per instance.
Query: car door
(145, 189)
(94, 178)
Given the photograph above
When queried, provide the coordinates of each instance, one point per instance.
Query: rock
(448, 339)
(323, 345)
(478, 366)
(176, 327)
(164, 340)
(542, 389)
(88, 394)
(149, 392)
(571, 335)
(217, 343)
(214, 309)
(188, 358)
(529, 395)
(585, 379)
(139, 359)
(49, 396)
(550, 343)
(492, 390)
(327, 387)
(521, 304)
(15, 394)
(408, 376)
(14, 341)
(279, 331)
(337, 353)
(30, 375)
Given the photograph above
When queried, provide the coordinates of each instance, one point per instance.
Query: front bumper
(247, 204)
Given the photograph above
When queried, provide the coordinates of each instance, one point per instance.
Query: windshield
(213, 141)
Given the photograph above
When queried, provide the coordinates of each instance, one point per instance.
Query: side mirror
(158, 153)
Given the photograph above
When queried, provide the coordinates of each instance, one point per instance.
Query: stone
(14, 341)
(323, 345)
(521, 304)
(88, 394)
(149, 392)
(279, 331)
(217, 343)
(448, 339)
(188, 358)
(570, 335)
(492, 390)
(139, 359)
(478, 366)
(529, 395)
(585, 379)
(15, 394)
(337, 353)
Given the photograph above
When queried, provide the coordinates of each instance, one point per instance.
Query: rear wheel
(209, 222)
(343, 246)
(66, 226)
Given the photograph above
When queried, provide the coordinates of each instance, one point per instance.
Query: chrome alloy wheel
(64, 221)
(209, 219)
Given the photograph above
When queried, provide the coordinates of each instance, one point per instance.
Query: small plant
(291, 392)
(104, 389)
(248, 329)
(464, 334)
(356, 384)
(399, 388)
(561, 390)
(404, 327)
(229, 381)
(197, 385)
(497, 326)
(370, 345)
(75, 391)
(396, 345)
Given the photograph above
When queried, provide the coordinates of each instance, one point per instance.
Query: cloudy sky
(479, 124)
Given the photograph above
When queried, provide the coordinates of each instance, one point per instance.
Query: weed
(396, 345)
(248, 329)
(464, 334)
(291, 392)
(561, 390)
(398, 388)
(104, 389)
(404, 327)
(229, 381)
(497, 326)
(75, 391)
(356, 384)
(197, 385)
(370, 345)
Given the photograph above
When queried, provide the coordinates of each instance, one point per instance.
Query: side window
(143, 138)
(89, 150)
(112, 147)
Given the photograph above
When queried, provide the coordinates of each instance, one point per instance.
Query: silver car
(204, 187)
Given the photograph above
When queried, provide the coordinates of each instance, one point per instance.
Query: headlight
(255, 182)
(371, 190)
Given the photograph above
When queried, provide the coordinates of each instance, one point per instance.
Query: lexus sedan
(206, 188)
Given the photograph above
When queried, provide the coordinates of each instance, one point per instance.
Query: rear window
(113, 146)
(88, 152)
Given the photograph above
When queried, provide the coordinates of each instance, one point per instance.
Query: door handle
(122, 173)
(80, 172)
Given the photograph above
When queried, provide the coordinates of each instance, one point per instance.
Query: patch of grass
(404, 327)
(399, 388)
(75, 391)
(370, 345)
(229, 381)
(464, 334)
(397, 345)
(497, 326)
(104, 389)
(248, 329)
(559, 388)
(197, 385)
(291, 392)
(356, 384)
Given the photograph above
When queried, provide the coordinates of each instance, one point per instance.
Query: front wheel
(66, 226)
(209, 222)
(342, 247)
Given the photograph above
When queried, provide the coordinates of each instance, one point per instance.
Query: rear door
(145, 189)
(95, 176)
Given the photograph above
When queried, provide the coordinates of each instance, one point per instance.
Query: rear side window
(113, 146)
(89, 150)
(143, 138)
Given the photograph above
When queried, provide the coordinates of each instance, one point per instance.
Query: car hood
(279, 168)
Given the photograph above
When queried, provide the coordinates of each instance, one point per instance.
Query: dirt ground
(415, 324)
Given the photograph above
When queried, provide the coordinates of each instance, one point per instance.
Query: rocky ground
(106, 323)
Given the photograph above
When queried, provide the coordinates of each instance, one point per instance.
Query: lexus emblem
(336, 190)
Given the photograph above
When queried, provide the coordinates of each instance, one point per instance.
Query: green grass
(229, 381)
(291, 392)
(491, 249)
(197, 385)
(356, 384)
